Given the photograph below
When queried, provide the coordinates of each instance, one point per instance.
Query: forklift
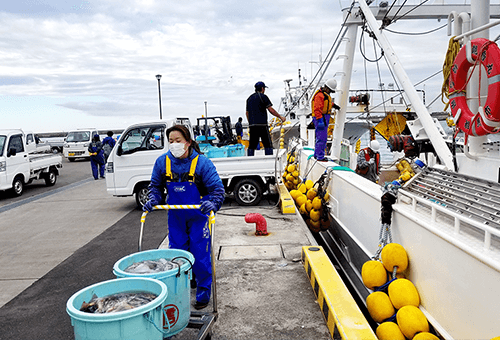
(222, 130)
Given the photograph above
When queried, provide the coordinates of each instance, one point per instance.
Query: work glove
(320, 123)
(207, 207)
(148, 206)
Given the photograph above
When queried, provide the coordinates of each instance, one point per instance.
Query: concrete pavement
(37, 236)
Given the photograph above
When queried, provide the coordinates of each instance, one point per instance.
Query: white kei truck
(130, 165)
(19, 165)
(77, 143)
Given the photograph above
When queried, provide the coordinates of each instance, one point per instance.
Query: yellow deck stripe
(286, 201)
(342, 314)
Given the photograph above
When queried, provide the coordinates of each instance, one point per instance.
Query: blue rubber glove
(207, 207)
(148, 206)
(320, 123)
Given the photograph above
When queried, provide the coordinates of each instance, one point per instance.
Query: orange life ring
(487, 119)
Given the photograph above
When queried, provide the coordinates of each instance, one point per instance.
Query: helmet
(374, 145)
(331, 84)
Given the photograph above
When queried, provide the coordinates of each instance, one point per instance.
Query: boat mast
(426, 120)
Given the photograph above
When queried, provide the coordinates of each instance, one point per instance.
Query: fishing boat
(447, 216)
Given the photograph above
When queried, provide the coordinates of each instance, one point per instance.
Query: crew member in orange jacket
(322, 105)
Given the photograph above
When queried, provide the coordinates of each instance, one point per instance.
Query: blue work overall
(188, 228)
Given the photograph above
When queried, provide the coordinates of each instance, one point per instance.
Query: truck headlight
(3, 166)
(85, 145)
(109, 167)
(65, 145)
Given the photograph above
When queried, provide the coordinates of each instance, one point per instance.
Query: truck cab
(130, 164)
(77, 143)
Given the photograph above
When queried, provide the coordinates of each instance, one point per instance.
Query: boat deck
(58, 243)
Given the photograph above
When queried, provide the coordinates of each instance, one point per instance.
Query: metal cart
(203, 321)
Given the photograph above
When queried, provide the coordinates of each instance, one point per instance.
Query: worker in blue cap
(96, 157)
(189, 178)
(257, 106)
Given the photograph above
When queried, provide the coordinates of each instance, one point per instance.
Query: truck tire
(141, 195)
(18, 186)
(51, 178)
(247, 192)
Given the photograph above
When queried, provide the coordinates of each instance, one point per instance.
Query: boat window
(2, 144)
(78, 136)
(141, 139)
(16, 142)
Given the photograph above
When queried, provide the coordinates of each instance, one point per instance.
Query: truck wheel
(50, 178)
(18, 186)
(247, 192)
(141, 195)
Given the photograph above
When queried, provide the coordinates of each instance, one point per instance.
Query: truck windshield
(2, 144)
(78, 136)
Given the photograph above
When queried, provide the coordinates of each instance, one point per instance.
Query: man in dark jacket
(257, 106)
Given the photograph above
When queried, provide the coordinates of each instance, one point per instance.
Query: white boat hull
(455, 276)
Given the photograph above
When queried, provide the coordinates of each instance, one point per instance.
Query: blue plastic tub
(176, 307)
(237, 150)
(138, 323)
(214, 152)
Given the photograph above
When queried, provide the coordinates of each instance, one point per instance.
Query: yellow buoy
(314, 225)
(315, 214)
(379, 306)
(309, 184)
(295, 174)
(316, 203)
(291, 168)
(411, 321)
(294, 193)
(311, 193)
(302, 209)
(290, 177)
(302, 188)
(301, 199)
(430, 336)
(392, 255)
(373, 274)
(309, 205)
(389, 331)
(402, 292)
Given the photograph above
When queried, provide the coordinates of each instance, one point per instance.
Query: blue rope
(384, 286)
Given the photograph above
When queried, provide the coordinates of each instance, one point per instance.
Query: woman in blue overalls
(96, 157)
(189, 178)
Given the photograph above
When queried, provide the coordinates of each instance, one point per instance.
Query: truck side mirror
(119, 151)
(12, 152)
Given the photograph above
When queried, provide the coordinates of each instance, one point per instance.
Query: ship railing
(459, 221)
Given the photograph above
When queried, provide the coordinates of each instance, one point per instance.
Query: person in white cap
(322, 105)
(368, 163)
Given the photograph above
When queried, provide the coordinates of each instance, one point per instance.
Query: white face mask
(177, 149)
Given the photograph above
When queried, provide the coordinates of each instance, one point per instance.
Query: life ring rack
(487, 119)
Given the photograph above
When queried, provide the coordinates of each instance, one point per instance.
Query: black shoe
(322, 160)
(200, 305)
(193, 284)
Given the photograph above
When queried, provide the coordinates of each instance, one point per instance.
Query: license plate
(71, 154)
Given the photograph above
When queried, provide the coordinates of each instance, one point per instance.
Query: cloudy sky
(68, 64)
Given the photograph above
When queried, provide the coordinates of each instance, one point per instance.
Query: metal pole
(158, 76)
(437, 140)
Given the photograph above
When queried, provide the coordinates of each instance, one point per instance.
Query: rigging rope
(451, 54)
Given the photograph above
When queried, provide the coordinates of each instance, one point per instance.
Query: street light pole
(158, 76)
